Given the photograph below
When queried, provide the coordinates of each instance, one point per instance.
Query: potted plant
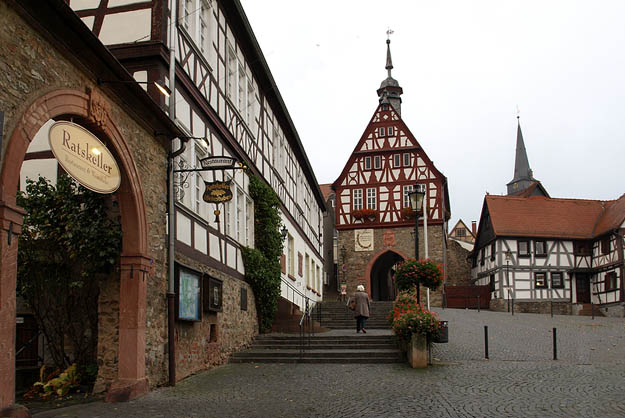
(370, 214)
(414, 327)
(357, 214)
(408, 213)
(412, 273)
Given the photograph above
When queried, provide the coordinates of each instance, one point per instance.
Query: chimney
(473, 227)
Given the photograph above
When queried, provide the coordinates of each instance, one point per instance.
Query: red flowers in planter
(364, 214)
(413, 272)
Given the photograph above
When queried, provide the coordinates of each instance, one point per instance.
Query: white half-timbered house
(372, 195)
(228, 103)
(535, 250)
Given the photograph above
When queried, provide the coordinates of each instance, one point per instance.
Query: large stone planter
(417, 351)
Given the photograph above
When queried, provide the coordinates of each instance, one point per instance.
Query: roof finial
(389, 62)
(518, 112)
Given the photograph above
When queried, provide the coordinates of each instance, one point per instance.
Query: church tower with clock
(374, 223)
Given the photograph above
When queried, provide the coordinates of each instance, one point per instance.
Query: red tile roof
(538, 216)
(326, 190)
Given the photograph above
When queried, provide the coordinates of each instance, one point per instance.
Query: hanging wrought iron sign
(217, 192)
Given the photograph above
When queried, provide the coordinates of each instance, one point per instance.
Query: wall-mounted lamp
(165, 91)
(284, 232)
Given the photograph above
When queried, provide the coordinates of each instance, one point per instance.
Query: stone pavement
(519, 380)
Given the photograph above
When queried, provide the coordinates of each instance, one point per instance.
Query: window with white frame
(204, 31)
(187, 15)
(382, 131)
(291, 250)
(318, 278)
(367, 163)
(407, 190)
(240, 215)
(377, 162)
(406, 159)
(396, 160)
(357, 198)
(249, 218)
(390, 131)
(307, 270)
(371, 198)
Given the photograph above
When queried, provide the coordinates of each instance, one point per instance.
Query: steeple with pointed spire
(523, 176)
(390, 91)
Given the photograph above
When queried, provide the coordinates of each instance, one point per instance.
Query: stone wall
(205, 344)
(559, 308)
(398, 240)
(31, 67)
(458, 267)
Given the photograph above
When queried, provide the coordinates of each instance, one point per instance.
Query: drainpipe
(171, 231)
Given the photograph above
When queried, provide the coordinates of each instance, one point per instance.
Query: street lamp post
(416, 204)
(508, 258)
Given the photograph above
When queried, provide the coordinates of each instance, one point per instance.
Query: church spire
(390, 91)
(523, 176)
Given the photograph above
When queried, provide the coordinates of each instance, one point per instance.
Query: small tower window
(385, 106)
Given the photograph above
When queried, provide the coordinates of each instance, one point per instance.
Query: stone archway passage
(382, 284)
(94, 109)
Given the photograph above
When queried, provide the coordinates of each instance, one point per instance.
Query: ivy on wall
(262, 263)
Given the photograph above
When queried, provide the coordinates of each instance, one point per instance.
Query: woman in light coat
(361, 313)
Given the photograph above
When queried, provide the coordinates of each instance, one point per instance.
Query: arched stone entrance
(94, 110)
(381, 270)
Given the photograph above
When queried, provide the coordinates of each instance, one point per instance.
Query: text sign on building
(217, 163)
(84, 157)
(364, 239)
(217, 192)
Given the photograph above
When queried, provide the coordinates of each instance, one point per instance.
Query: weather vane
(389, 32)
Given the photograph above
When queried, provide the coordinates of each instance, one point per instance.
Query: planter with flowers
(408, 213)
(414, 328)
(412, 273)
(365, 214)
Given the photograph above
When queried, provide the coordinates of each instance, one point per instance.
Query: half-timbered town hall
(372, 194)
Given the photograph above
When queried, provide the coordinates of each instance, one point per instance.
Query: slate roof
(538, 216)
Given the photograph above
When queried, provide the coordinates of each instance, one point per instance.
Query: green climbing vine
(262, 263)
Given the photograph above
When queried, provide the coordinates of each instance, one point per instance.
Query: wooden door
(582, 287)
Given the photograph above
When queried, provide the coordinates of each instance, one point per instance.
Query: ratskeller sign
(84, 157)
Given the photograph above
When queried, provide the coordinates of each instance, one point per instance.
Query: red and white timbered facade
(385, 166)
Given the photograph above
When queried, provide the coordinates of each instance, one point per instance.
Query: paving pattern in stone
(519, 380)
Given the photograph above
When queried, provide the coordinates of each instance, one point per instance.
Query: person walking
(361, 312)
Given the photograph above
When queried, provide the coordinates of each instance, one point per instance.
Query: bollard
(512, 306)
(555, 345)
(478, 303)
(486, 342)
(592, 308)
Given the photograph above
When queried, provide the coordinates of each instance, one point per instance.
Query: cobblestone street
(519, 380)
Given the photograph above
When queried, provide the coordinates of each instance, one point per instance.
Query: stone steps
(340, 349)
(335, 315)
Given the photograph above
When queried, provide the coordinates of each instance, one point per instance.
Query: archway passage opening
(382, 272)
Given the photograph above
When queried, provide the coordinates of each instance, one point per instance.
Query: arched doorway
(381, 276)
(93, 110)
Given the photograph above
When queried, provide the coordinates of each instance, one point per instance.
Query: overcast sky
(464, 66)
